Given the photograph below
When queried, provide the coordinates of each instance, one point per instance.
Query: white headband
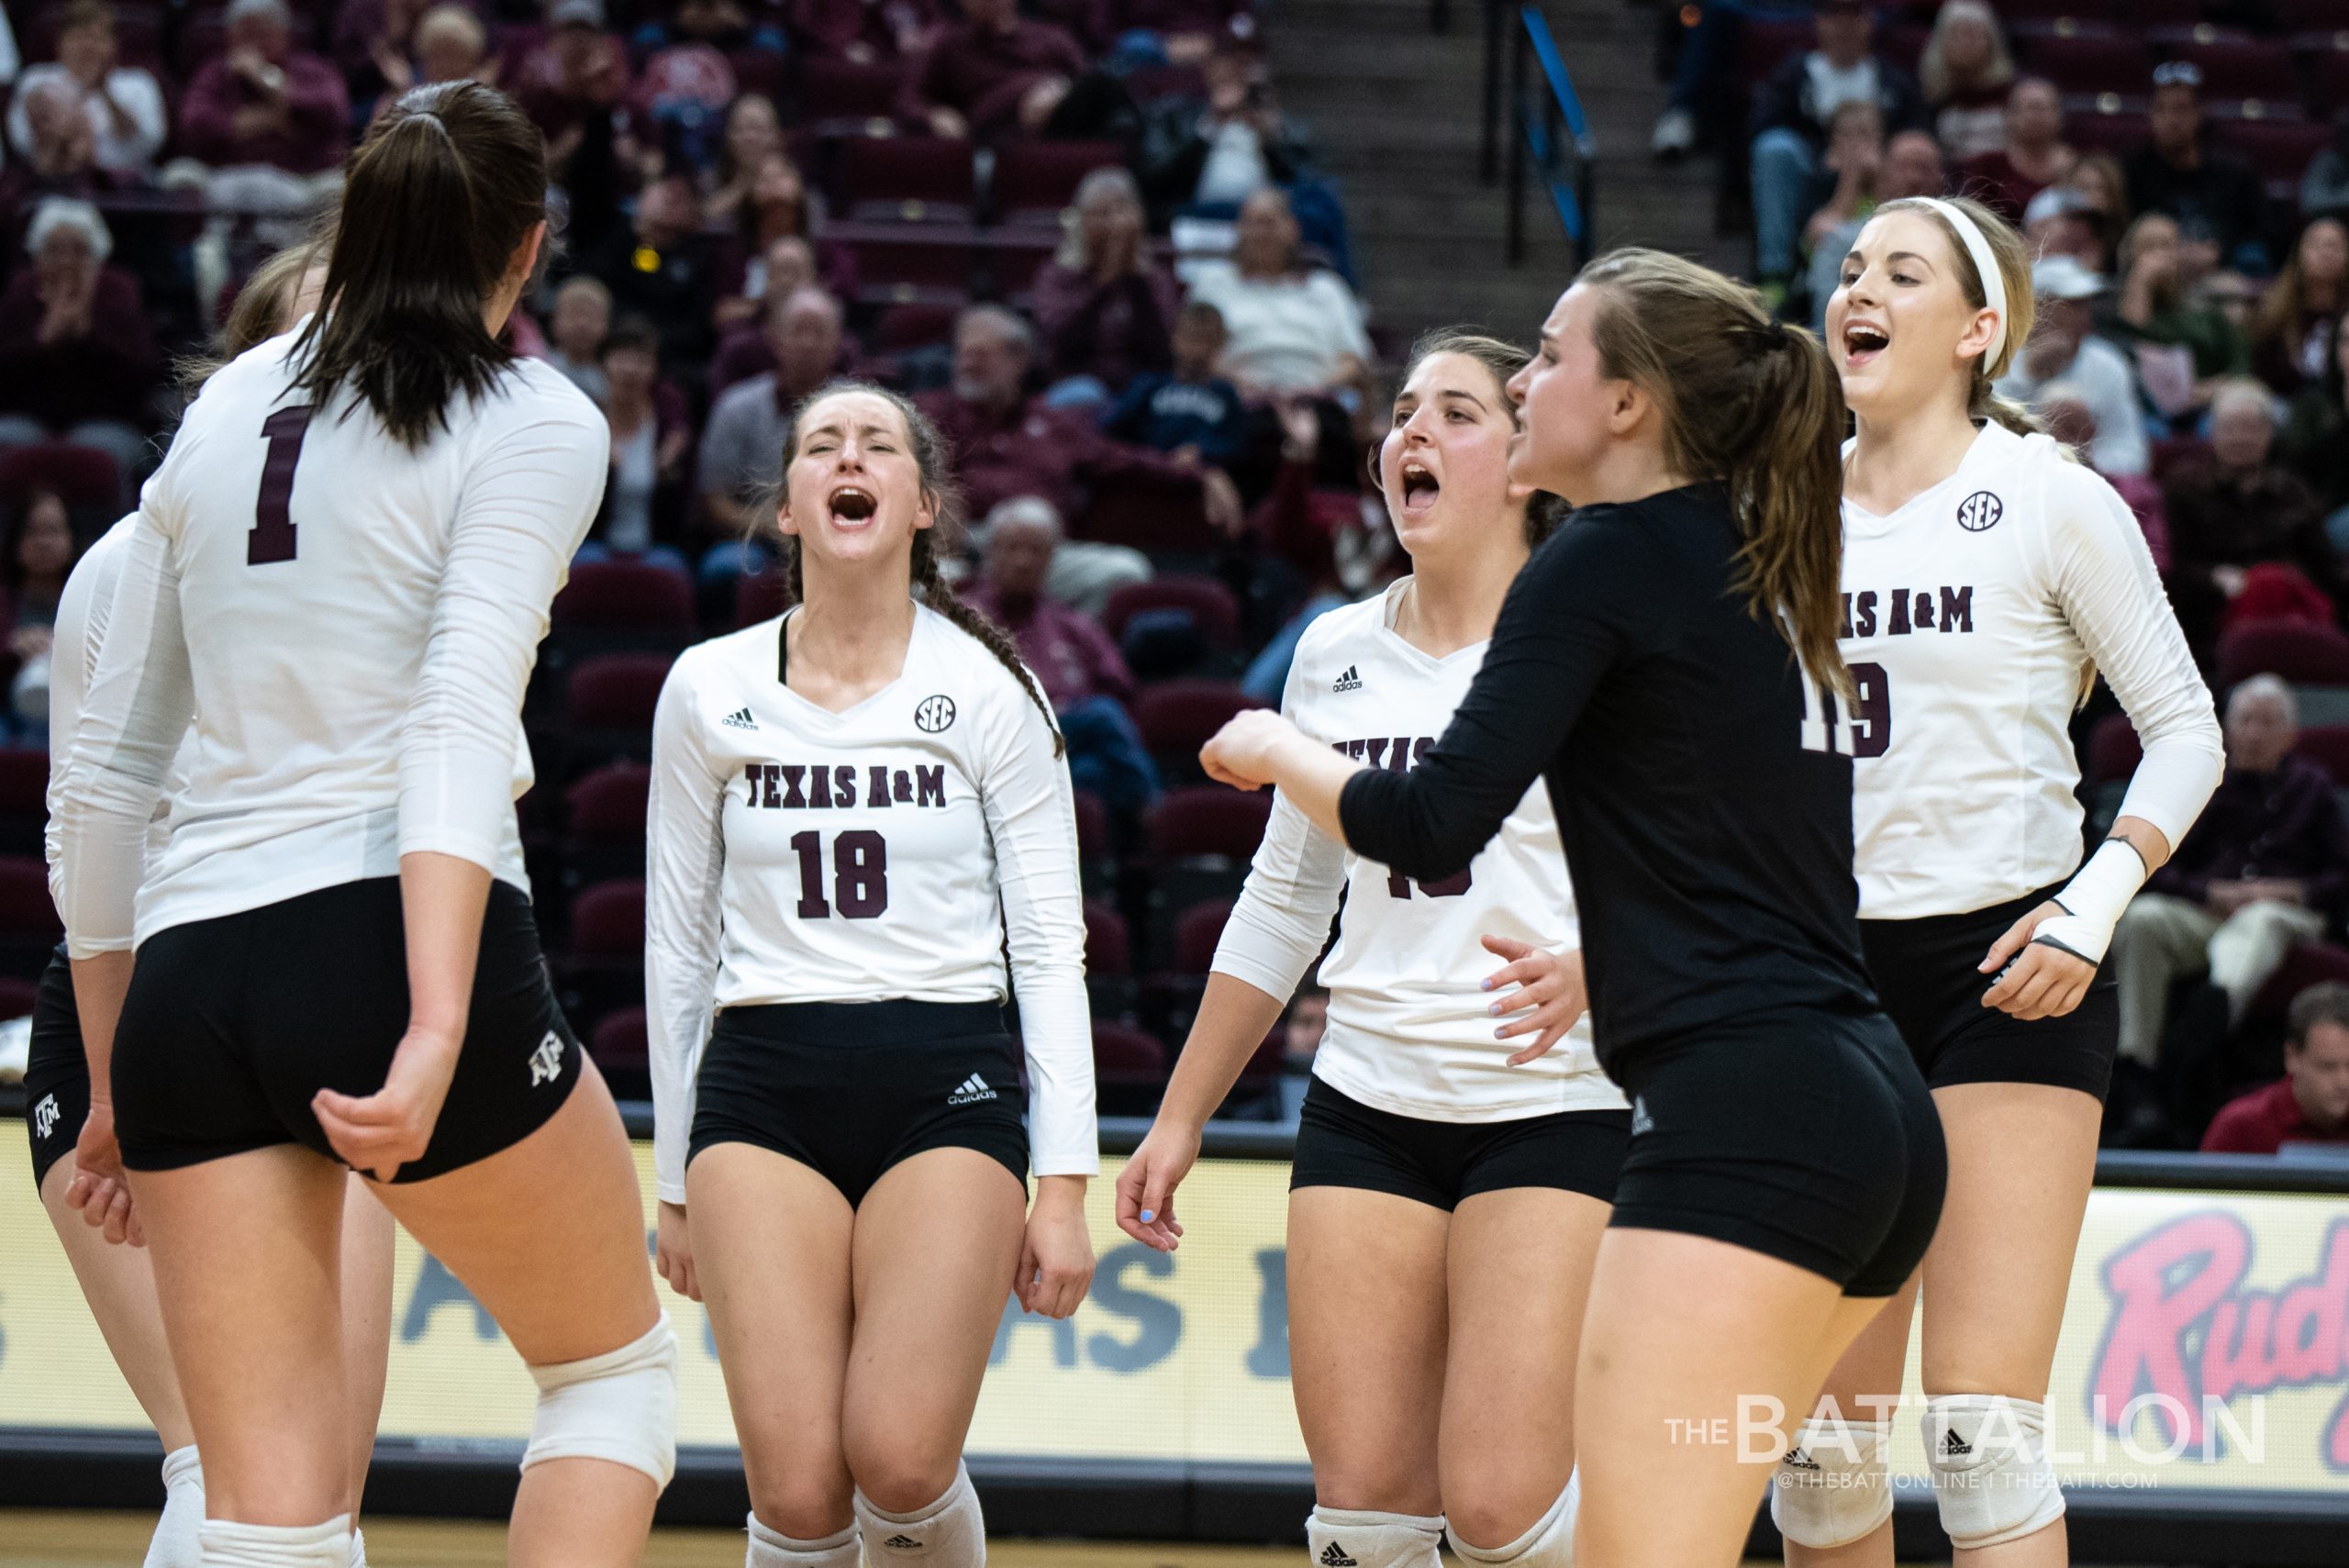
(1985, 266)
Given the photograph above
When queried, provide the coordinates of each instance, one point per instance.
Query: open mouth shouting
(1863, 341)
(1420, 487)
(854, 506)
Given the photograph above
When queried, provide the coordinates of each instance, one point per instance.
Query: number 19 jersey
(1409, 1032)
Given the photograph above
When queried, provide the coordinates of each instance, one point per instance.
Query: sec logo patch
(934, 714)
(1980, 512)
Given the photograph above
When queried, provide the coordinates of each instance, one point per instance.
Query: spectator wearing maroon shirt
(2238, 509)
(264, 101)
(60, 157)
(2035, 155)
(998, 73)
(1106, 312)
(1008, 443)
(579, 71)
(77, 356)
(2310, 1103)
(2265, 866)
(866, 31)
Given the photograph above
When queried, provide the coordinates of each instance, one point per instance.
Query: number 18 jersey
(1409, 1032)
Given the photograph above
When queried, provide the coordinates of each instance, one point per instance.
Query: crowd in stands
(1082, 234)
(2182, 169)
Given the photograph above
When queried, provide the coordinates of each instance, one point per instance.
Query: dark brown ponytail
(946, 501)
(1753, 404)
(436, 201)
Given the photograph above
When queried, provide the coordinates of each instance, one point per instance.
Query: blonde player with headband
(1987, 575)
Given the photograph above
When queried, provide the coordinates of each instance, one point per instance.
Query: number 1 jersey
(349, 622)
(1409, 1032)
(892, 851)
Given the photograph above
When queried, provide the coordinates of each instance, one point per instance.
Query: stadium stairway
(1393, 106)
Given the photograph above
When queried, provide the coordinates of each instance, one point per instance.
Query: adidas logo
(1953, 1445)
(1798, 1460)
(1334, 1555)
(739, 720)
(1348, 682)
(970, 1092)
(902, 1542)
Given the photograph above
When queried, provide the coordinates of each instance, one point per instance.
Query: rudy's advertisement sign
(2206, 1344)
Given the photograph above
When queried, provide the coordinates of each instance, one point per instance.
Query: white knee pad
(621, 1406)
(948, 1533)
(358, 1548)
(1991, 1476)
(772, 1548)
(1831, 1488)
(1357, 1538)
(176, 1544)
(1548, 1544)
(228, 1544)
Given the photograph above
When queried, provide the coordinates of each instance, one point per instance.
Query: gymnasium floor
(40, 1540)
(43, 1539)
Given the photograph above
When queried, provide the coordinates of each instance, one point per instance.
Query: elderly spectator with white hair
(2265, 866)
(2064, 346)
(1292, 328)
(2244, 529)
(122, 103)
(265, 102)
(1964, 73)
(77, 356)
(1105, 311)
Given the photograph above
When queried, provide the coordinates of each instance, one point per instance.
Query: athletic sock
(358, 1548)
(228, 1544)
(1361, 1538)
(948, 1533)
(176, 1544)
(1548, 1543)
(772, 1548)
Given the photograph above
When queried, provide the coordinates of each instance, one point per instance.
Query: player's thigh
(2022, 1159)
(771, 1241)
(1519, 1272)
(247, 1258)
(118, 1282)
(937, 1246)
(1694, 1351)
(547, 1234)
(369, 1234)
(1367, 1327)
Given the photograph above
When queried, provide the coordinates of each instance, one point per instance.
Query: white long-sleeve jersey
(1972, 616)
(1409, 1032)
(349, 622)
(893, 851)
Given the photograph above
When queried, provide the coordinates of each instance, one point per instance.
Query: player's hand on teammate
(1241, 754)
(1056, 1256)
(378, 1133)
(1146, 1186)
(672, 1252)
(99, 1189)
(1548, 993)
(2035, 980)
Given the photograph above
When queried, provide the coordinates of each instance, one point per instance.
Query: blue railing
(1548, 135)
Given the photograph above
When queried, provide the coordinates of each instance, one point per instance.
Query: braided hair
(946, 499)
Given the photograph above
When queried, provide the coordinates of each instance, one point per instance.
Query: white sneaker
(1675, 133)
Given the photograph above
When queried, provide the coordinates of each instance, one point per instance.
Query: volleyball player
(118, 1282)
(339, 574)
(1987, 575)
(856, 809)
(1469, 1178)
(1784, 1167)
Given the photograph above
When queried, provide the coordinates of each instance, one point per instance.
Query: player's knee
(1831, 1488)
(1991, 1476)
(901, 1473)
(228, 1544)
(1541, 1538)
(1368, 1539)
(620, 1406)
(801, 1506)
(947, 1531)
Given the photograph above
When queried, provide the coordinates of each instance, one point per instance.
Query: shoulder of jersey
(752, 642)
(1328, 632)
(550, 390)
(972, 659)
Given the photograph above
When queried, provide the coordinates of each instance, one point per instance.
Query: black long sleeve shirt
(1710, 847)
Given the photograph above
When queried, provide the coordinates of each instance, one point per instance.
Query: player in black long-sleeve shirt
(1787, 1166)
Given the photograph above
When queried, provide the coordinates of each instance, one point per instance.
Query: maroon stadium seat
(609, 801)
(1210, 604)
(2331, 72)
(620, 1041)
(842, 90)
(1108, 949)
(2177, 18)
(29, 928)
(2327, 745)
(1768, 41)
(2173, 452)
(2098, 130)
(1197, 932)
(625, 596)
(2309, 17)
(1015, 255)
(2277, 150)
(2050, 14)
(1035, 180)
(17, 997)
(607, 920)
(901, 327)
(2092, 62)
(84, 477)
(616, 691)
(1122, 1052)
(2246, 68)
(2113, 751)
(907, 179)
(911, 263)
(760, 596)
(24, 797)
(1207, 820)
(2309, 963)
(1176, 717)
(1167, 519)
(762, 71)
(2302, 654)
(1092, 827)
